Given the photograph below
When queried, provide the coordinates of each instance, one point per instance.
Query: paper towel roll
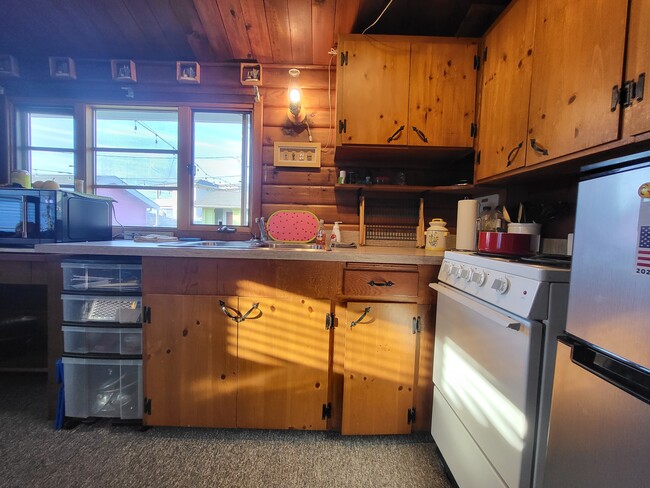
(466, 225)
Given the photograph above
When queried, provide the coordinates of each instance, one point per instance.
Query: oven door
(487, 369)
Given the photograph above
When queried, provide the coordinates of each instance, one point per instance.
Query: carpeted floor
(33, 454)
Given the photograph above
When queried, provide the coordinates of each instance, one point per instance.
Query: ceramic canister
(436, 235)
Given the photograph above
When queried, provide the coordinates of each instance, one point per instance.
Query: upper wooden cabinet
(505, 91)
(405, 91)
(550, 79)
(578, 59)
(636, 116)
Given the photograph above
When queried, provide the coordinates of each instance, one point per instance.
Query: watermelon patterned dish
(292, 226)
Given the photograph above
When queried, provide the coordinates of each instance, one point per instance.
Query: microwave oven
(30, 216)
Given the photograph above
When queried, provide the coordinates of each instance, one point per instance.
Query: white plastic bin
(103, 388)
(102, 340)
(113, 309)
(101, 276)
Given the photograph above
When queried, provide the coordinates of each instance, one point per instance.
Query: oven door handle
(496, 317)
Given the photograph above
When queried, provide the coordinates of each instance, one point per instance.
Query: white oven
(496, 325)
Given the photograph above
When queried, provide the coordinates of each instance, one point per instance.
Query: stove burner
(560, 260)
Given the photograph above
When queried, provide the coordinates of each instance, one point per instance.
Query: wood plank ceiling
(298, 32)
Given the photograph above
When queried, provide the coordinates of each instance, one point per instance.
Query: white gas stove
(497, 321)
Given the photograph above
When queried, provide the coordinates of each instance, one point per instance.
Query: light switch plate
(297, 154)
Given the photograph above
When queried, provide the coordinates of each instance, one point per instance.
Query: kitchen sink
(216, 244)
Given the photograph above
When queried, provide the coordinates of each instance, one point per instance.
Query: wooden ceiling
(298, 32)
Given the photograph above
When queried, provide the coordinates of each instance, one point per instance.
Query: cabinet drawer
(380, 282)
(103, 340)
(113, 309)
(101, 276)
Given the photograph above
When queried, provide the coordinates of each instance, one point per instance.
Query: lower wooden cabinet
(267, 369)
(189, 361)
(282, 362)
(379, 368)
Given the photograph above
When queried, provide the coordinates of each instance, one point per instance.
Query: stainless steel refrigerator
(599, 433)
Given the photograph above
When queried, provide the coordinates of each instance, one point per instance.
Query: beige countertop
(364, 254)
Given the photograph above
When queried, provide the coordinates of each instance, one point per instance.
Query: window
(136, 163)
(45, 144)
(222, 168)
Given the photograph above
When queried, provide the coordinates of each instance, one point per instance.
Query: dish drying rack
(391, 222)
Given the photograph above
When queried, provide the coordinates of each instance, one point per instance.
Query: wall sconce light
(296, 111)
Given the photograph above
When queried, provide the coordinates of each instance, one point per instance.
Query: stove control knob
(478, 277)
(455, 271)
(447, 268)
(465, 274)
(501, 285)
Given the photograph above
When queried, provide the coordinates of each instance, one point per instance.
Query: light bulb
(294, 95)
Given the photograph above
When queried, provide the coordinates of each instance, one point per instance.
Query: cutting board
(292, 226)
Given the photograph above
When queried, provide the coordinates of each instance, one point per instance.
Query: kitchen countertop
(364, 254)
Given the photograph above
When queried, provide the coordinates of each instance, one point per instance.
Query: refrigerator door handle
(623, 374)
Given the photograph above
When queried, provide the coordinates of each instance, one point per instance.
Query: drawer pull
(379, 283)
(363, 316)
(224, 308)
(255, 317)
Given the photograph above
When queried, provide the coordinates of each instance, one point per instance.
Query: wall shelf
(450, 189)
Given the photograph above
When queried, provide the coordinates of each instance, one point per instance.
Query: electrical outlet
(488, 201)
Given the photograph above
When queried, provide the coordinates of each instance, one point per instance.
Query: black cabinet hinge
(473, 129)
(147, 406)
(146, 315)
(477, 62)
(416, 324)
(411, 415)
(343, 126)
(330, 321)
(485, 55)
(327, 411)
(344, 58)
(478, 157)
(630, 91)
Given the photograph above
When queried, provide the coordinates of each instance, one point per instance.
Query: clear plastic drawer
(102, 340)
(88, 308)
(101, 276)
(103, 388)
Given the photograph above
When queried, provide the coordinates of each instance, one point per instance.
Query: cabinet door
(379, 368)
(373, 91)
(578, 58)
(505, 91)
(190, 361)
(283, 361)
(442, 93)
(636, 117)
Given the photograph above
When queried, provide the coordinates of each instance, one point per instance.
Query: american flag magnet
(643, 237)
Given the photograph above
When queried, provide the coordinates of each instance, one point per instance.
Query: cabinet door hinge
(343, 126)
(485, 55)
(473, 129)
(330, 321)
(477, 62)
(478, 157)
(630, 91)
(327, 411)
(410, 416)
(344, 58)
(146, 315)
(147, 406)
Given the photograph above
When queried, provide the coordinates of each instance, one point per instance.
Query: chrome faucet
(262, 226)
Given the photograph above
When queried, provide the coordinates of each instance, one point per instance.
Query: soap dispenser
(335, 238)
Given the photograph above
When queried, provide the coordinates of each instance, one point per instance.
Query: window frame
(84, 156)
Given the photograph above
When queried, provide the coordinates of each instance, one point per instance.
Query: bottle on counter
(320, 235)
(335, 237)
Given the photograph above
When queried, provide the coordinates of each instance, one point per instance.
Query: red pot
(505, 243)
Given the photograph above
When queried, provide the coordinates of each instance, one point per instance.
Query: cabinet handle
(255, 317)
(363, 316)
(537, 148)
(420, 134)
(225, 308)
(396, 134)
(513, 154)
(379, 283)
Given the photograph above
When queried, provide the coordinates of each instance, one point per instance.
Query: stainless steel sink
(293, 246)
(216, 244)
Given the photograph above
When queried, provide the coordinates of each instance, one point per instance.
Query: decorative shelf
(452, 189)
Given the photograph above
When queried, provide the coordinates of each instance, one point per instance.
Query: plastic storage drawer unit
(101, 276)
(102, 340)
(103, 388)
(89, 308)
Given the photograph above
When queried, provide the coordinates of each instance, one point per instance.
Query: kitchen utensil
(504, 243)
(506, 215)
(292, 226)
